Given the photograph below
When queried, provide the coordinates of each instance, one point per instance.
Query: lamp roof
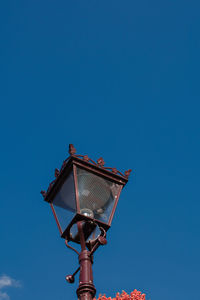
(88, 163)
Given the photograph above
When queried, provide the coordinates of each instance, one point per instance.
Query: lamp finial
(72, 150)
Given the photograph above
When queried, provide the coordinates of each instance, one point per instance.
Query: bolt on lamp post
(83, 198)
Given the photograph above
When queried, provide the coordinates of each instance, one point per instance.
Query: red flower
(135, 295)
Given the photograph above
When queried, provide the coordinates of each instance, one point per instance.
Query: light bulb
(87, 212)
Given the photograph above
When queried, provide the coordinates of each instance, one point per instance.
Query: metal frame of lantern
(97, 168)
(86, 289)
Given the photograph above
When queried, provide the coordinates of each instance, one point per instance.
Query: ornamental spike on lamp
(83, 198)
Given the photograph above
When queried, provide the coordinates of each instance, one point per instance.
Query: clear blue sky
(118, 79)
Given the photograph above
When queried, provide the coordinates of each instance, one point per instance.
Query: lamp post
(83, 198)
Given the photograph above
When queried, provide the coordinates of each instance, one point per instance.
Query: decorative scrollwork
(43, 193)
(127, 173)
(100, 163)
(114, 170)
(86, 158)
(57, 173)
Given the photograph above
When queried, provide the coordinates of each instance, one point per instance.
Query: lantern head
(84, 190)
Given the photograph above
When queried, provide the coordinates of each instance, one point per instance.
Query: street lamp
(83, 198)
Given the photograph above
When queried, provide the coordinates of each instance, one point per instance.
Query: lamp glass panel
(97, 195)
(64, 202)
